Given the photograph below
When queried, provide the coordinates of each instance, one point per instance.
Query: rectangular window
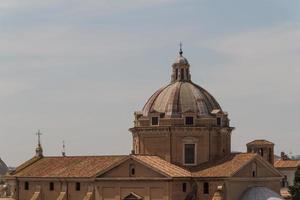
(219, 121)
(183, 187)
(189, 153)
(205, 188)
(51, 186)
(77, 186)
(26, 186)
(189, 120)
(154, 121)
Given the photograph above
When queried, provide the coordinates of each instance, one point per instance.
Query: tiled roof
(225, 167)
(91, 166)
(286, 163)
(163, 166)
(69, 166)
(260, 142)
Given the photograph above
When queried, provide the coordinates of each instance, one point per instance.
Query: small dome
(260, 193)
(181, 97)
(181, 60)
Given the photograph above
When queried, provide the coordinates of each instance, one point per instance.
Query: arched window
(131, 170)
(261, 151)
(254, 169)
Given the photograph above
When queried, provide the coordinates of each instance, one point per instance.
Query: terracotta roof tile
(90, 166)
(286, 163)
(225, 167)
(69, 166)
(260, 142)
(163, 166)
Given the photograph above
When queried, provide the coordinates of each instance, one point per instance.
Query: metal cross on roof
(180, 50)
(39, 136)
(63, 148)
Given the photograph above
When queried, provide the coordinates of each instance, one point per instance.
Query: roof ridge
(81, 156)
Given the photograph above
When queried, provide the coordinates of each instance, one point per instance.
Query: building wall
(290, 174)
(177, 190)
(103, 190)
(149, 190)
(211, 143)
(123, 170)
(213, 185)
(45, 193)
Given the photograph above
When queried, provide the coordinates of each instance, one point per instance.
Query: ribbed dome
(181, 97)
(260, 193)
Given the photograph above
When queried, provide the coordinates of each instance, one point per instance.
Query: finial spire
(63, 149)
(180, 49)
(39, 149)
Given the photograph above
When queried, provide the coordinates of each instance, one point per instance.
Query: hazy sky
(78, 70)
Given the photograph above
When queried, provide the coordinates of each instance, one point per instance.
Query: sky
(77, 70)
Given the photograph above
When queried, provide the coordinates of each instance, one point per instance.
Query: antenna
(63, 149)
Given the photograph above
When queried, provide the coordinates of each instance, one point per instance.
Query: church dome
(260, 193)
(181, 95)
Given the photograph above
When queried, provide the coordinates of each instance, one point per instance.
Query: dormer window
(189, 154)
(189, 120)
(154, 121)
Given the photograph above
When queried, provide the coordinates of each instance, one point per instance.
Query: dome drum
(214, 120)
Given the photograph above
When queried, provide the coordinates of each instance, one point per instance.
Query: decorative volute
(181, 68)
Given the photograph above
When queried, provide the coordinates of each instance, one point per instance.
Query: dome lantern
(181, 68)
